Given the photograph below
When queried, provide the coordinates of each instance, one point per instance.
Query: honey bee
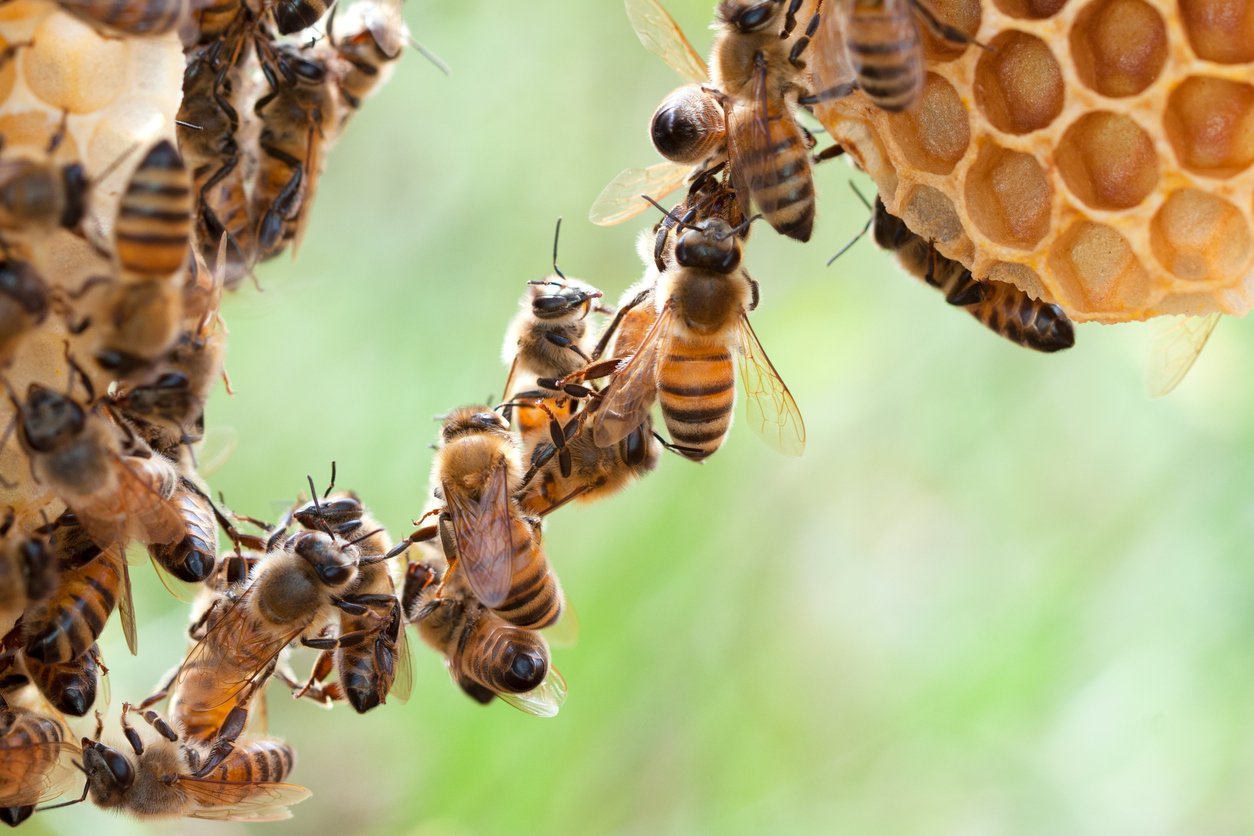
(1003, 308)
(885, 48)
(91, 582)
(28, 573)
(192, 557)
(685, 360)
(207, 127)
(368, 39)
(296, 588)
(154, 221)
(69, 686)
(135, 17)
(165, 778)
(688, 128)
(485, 537)
(40, 195)
(294, 119)
(24, 304)
(140, 323)
(32, 748)
(486, 656)
(76, 453)
(375, 662)
(758, 77)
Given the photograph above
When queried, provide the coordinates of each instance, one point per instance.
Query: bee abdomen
(697, 391)
(77, 614)
(1023, 320)
(257, 761)
(535, 599)
(887, 60)
(154, 223)
(137, 17)
(782, 186)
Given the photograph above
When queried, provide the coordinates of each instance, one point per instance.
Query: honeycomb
(1099, 154)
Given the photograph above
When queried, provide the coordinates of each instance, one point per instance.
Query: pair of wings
(542, 701)
(485, 531)
(22, 785)
(657, 30)
(241, 801)
(770, 408)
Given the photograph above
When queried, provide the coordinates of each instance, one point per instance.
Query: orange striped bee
(24, 305)
(757, 73)
(69, 686)
(685, 361)
(165, 778)
(134, 17)
(41, 195)
(486, 656)
(32, 748)
(91, 583)
(485, 536)
(153, 230)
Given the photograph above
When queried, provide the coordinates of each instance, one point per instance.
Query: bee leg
(794, 54)
(565, 342)
(224, 741)
(686, 452)
(132, 737)
(321, 670)
(828, 153)
(163, 691)
(837, 92)
(610, 329)
(949, 33)
(418, 576)
(153, 719)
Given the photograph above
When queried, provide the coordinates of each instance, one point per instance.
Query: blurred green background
(1000, 593)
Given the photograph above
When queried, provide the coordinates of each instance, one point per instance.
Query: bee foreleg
(794, 54)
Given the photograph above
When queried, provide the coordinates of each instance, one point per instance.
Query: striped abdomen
(535, 598)
(154, 223)
(69, 686)
(216, 18)
(30, 746)
(134, 17)
(367, 669)
(1021, 319)
(249, 763)
(777, 172)
(65, 626)
(192, 557)
(697, 388)
(883, 44)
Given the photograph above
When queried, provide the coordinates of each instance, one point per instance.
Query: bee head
(749, 17)
(109, 773)
(22, 284)
(472, 419)
(552, 299)
(324, 554)
(712, 244)
(49, 418)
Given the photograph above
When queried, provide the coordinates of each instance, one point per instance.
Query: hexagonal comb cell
(1018, 83)
(934, 134)
(70, 67)
(1220, 30)
(1030, 9)
(963, 15)
(1107, 161)
(1019, 275)
(1096, 270)
(1210, 124)
(1119, 46)
(1008, 197)
(1201, 237)
(931, 214)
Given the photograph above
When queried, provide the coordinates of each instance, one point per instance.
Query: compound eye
(550, 305)
(489, 420)
(335, 574)
(119, 766)
(755, 17)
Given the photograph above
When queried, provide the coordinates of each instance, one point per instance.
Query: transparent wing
(242, 801)
(1175, 343)
(35, 772)
(661, 35)
(769, 406)
(403, 683)
(620, 200)
(626, 401)
(543, 701)
(313, 173)
(126, 604)
(215, 449)
(565, 633)
(485, 549)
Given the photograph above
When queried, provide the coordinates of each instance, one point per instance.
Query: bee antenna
(327, 492)
(865, 227)
(188, 125)
(313, 492)
(557, 232)
(430, 56)
(365, 536)
(82, 375)
(740, 230)
(79, 800)
(663, 210)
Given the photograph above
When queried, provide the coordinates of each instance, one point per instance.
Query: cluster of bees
(576, 424)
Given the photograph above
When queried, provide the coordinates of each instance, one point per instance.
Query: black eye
(119, 767)
(335, 574)
(755, 17)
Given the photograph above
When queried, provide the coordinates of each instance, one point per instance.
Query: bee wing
(21, 785)
(661, 35)
(771, 410)
(625, 403)
(485, 547)
(542, 701)
(565, 633)
(1175, 343)
(620, 200)
(403, 683)
(241, 800)
(215, 449)
(126, 604)
(313, 173)
(751, 147)
(245, 643)
(145, 488)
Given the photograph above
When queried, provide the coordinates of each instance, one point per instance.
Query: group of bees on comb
(576, 423)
